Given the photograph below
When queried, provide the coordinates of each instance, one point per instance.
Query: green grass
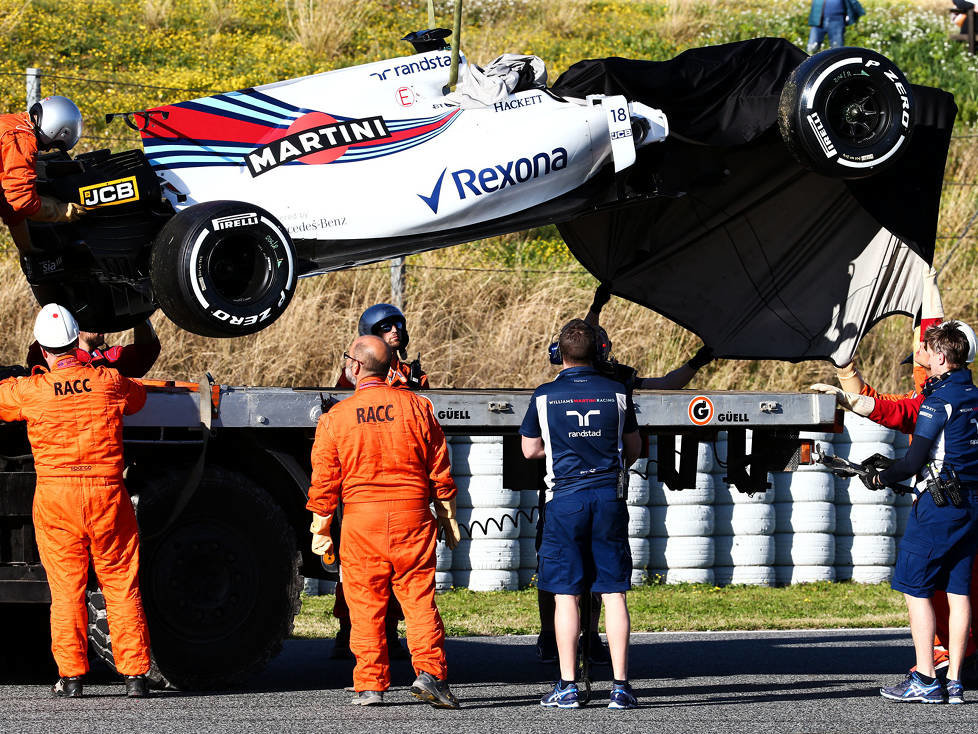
(659, 608)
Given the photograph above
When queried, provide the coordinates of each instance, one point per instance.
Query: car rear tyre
(847, 113)
(223, 269)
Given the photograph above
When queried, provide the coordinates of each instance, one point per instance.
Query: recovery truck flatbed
(219, 475)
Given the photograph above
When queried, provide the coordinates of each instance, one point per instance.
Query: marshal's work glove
(873, 466)
(55, 210)
(849, 378)
(859, 404)
(445, 512)
(322, 543)
(703, 357)
(602, 295)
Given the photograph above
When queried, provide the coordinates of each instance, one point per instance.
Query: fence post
(33, 86)
(397, 282)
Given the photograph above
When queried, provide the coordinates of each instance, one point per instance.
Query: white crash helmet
(969, 334)
(55, 327)
(57, 122)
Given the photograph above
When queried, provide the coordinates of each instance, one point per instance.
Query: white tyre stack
(866, 520)
(682, 548)
(528, 534)
(639, 518)
(902, 502)
(804, 508)
(744, 530)
(489, 560)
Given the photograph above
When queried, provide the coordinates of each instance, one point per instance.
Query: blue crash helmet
(378, 314)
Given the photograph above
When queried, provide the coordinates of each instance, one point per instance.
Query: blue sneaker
(564, 698)
(913, 688)
(622, 697)
(955, 691)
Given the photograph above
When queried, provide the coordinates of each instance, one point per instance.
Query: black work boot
(68, 687)
(435, 691)
(137, 686)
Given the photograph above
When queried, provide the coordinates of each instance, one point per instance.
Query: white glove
(322, 543)
(859, 404)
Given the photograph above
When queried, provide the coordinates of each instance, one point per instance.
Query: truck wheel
(846, 113)
(100, 641)
(223, 269)
(221, 585)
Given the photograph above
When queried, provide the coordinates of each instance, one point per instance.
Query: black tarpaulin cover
(758, 256)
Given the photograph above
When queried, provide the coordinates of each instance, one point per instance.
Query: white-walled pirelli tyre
(785, 575)
(865, 550)
(485, 580)
(744, 575)
(484, 554)
(527, 577)
(682, 576)
(851, 491)
(857, 429)
(528, 553)
(477, 458)
(804, 487)
(639, 522)
(846, 112)
(444, 580)
(805, 517)
(753, 519)
(484, 490)
(682, 520)
(443, 556)
(223, 268)
(488, 522)
(866, 520)
(744, 550)
(804, 549)
(871, 574)
(641, 549)
(703, 493)
(675, 553)
(727, 494)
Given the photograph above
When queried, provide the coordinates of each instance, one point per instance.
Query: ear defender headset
(602, 347)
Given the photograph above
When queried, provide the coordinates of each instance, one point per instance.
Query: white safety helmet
(969, 334)
(55, 327)
(57, 122)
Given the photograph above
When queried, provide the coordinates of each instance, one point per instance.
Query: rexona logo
(237, 220)
(469, 182)
(120, 191)
(292, 147)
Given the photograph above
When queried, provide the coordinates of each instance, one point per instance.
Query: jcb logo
(120, 191)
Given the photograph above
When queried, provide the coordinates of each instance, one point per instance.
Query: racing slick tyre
(223, 269)
(221, 583)
(846, 113)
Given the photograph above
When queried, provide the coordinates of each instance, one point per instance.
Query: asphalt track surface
(731, 682)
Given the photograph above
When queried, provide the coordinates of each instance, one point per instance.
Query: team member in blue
(584, 425)
(939, 544)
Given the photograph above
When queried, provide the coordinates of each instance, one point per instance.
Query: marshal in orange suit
(382, 453)
(81, 508)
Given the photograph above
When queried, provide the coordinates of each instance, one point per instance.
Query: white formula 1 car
(237, 195)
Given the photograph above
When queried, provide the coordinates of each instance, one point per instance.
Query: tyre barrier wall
(809, 526)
